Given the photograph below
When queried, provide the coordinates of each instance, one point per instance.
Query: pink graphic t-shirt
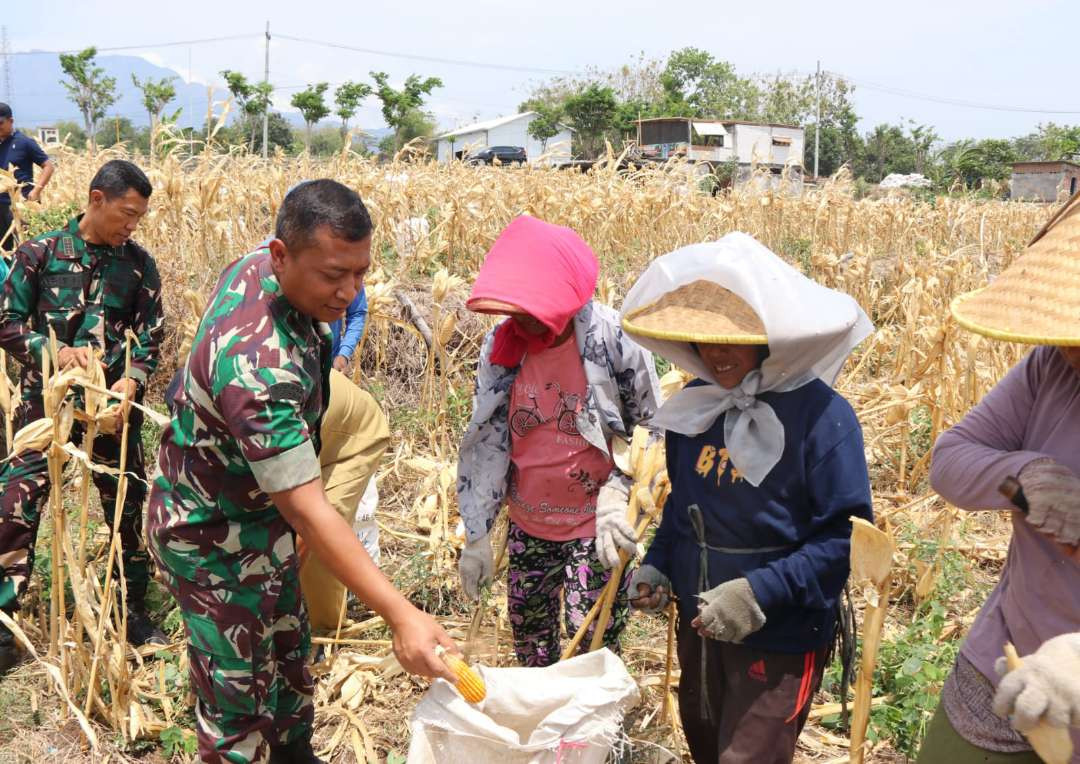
(555, 474)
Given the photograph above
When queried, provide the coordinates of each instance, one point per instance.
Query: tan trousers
(354, 436)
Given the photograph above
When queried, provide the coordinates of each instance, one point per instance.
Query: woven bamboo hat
(701, 311)
(1036, 300)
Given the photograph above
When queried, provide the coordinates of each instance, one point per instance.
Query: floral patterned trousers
(539, 570)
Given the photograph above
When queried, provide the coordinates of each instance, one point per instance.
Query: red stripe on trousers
(804, 687)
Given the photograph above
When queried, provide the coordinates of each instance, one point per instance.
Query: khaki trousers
(354, 437)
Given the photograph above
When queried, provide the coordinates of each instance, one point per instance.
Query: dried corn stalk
(871, 563)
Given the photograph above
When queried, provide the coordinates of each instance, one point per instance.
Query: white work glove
(654, 598)
(613, 530)
(1053, 496)
(1045, 688)
(476, 566)
(729, 612)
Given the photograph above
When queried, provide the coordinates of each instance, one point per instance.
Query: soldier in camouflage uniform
(240, 473)
(89, 283)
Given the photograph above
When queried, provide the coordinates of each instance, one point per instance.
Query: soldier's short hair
(5, 111)
(316, 203)
(116, 176)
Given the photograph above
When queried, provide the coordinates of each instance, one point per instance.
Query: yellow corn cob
(469, 683)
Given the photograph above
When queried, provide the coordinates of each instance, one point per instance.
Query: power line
(429, 59)
(117, 48)
(949, 101)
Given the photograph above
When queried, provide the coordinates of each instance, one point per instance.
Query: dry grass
(901, 258)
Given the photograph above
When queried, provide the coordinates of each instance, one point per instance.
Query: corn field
(902, 258)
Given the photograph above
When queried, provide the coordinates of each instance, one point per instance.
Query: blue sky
(1011, 54)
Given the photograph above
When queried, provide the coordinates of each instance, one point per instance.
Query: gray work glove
(658, 584)
(1046, 688)
(613, 530)
(476, 566)
(729, 612)
(1053, 495)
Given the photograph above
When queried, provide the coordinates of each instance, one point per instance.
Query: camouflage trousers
(24, 488)
(248, 647)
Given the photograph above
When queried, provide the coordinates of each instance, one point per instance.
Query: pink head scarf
(545, 270)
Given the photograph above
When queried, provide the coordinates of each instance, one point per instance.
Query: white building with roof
(504, 131)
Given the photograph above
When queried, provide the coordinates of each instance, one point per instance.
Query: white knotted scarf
(811, 330)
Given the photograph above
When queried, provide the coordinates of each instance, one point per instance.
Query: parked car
(505, 155)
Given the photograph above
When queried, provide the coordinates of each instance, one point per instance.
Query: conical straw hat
(1036, 300)
(701, 311)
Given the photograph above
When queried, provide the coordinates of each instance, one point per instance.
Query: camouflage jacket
(89, 295)
(622, 392)
(245, 424)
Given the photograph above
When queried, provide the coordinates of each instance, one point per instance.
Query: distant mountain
(38, 98)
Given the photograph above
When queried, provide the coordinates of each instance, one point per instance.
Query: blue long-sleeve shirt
(355, 316)
(797, 519)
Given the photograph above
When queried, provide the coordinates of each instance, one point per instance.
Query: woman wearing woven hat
(767, 467)
(1027, 428)
(556, 383)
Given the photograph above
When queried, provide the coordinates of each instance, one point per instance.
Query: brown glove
(1053, 496)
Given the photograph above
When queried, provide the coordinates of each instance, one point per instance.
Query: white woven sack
(569, 713)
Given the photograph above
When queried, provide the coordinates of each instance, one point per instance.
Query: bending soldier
(240, 477)
(89, 283)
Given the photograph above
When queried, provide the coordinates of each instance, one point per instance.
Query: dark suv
(505, 155)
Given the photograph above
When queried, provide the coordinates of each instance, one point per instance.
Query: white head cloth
(811, 330)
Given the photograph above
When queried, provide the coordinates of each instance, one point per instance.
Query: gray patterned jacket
(622, 391)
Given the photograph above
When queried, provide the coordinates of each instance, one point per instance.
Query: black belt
(697, 521)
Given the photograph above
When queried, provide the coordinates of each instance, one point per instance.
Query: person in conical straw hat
(1027, 428)
(557, 382)
(766, 466)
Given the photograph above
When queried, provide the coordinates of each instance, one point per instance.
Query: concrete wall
(1044, 186)
(466, 142)
(754, 144)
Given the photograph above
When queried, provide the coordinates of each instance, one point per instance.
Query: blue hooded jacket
(790, 536)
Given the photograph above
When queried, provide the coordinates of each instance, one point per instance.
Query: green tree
(788, 99)
(156, 96)
(414, 124)
(886, 150)
(592, 115)
(253, 99)
(545, 125)
(399, 106)
(312, 106)
(72, 134)
(923, 139)
(326, 141)
(973, 162)
(1049, 143)
(88, 87)
(279, 134)
(347, 98)
(116, 130)
(697, 85)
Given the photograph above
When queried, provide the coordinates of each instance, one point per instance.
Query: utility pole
(817, 124)
(190, 109)
(5, 53)
(266, 79)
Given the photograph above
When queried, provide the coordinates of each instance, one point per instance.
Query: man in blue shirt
(20, 153)
(345, 344)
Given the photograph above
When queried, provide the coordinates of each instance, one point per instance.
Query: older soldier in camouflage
(240, 477)
(89, 283)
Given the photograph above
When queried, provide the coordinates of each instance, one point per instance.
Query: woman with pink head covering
(556, 383)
